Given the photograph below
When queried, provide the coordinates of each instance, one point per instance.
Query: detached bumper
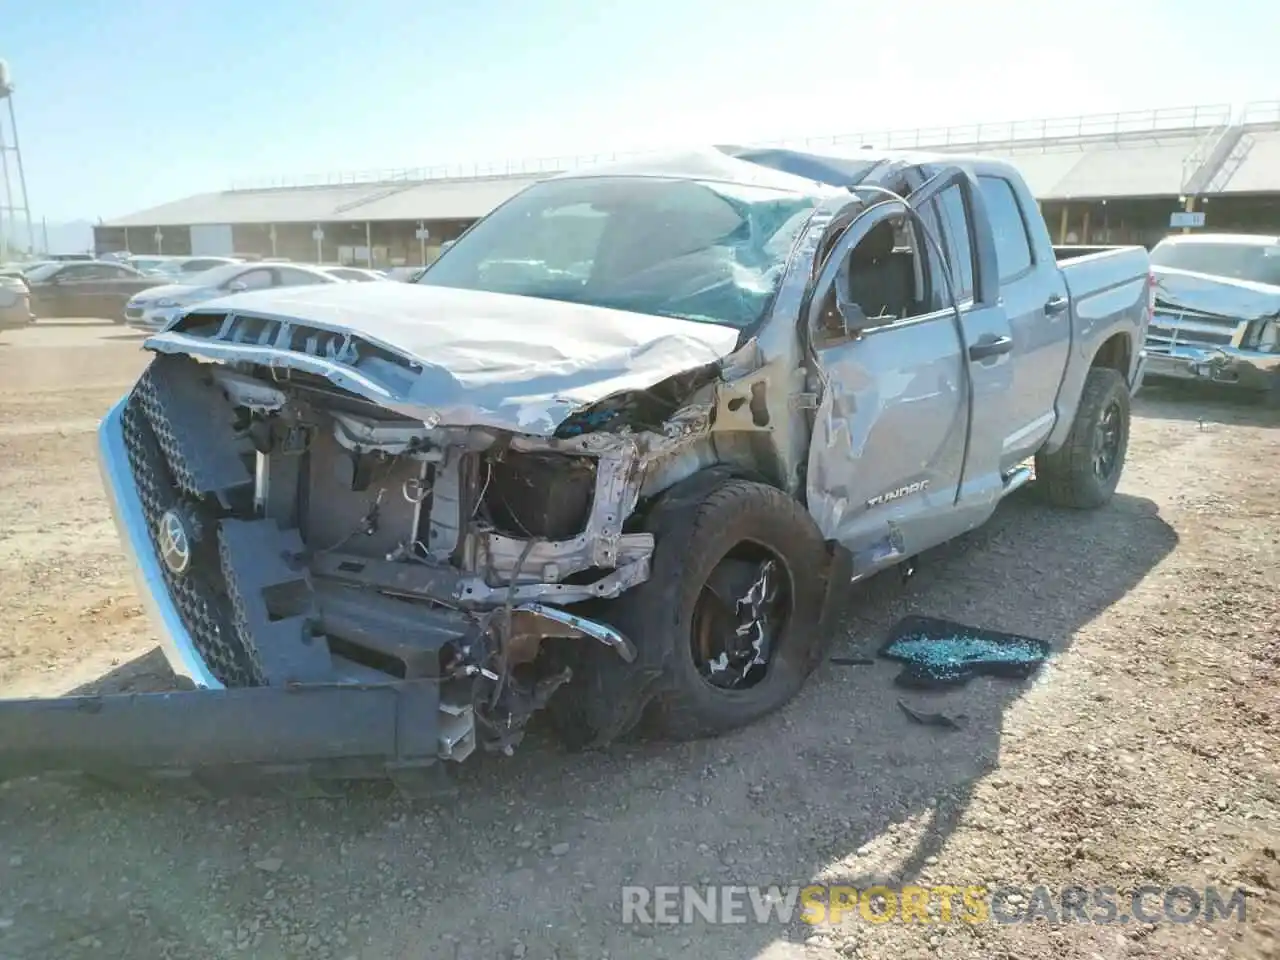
(1225, 365)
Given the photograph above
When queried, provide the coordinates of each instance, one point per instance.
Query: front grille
(1172, 328)
(133, 313)
(200, 595)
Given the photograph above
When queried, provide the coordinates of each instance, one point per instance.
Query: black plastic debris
(929, 719)
(941, 653)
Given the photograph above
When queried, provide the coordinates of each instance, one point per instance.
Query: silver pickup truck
(617, 453)
(1217, 312)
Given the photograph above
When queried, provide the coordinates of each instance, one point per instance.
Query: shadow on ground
(1204, 402)
(537, 847)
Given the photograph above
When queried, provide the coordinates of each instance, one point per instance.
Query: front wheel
(733, 604)
(1084, 473)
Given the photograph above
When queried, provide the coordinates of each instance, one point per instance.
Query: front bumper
(16, 317)
(1226, 365)
(131, 522)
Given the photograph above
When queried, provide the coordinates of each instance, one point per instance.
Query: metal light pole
(423, 234)
(11, 209)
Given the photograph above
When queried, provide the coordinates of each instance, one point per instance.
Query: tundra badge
(910, 489)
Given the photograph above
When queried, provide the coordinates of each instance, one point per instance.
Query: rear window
(1258, 263)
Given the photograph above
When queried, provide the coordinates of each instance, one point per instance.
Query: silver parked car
(1217, 315)
(156, 307)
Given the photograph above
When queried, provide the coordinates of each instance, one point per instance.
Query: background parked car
(19, 268)
(146, 263)
(354, 274)
(92, 288)
(15, 304)
(154, 308)
(405, 274)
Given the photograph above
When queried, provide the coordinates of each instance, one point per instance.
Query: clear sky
(125, 104)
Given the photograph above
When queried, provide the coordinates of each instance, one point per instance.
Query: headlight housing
(166, 302)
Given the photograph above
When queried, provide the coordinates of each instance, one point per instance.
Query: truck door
(894, 466)
(1035, 299)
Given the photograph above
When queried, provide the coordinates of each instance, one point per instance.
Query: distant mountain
(75, 236)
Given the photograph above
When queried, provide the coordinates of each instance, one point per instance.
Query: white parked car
(15, 304)
(156, 307)
(355, 274)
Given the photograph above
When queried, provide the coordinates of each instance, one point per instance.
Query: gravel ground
(1144, 753)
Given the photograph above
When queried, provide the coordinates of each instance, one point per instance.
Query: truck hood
(1220, 296)
(516, 363)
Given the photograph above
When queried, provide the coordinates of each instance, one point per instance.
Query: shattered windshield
(1240, 261)
(709, 252)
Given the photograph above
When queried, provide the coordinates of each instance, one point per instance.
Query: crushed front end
(287, 532)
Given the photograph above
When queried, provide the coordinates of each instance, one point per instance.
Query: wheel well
(1115, 353)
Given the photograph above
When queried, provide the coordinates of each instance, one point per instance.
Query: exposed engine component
(544, 495)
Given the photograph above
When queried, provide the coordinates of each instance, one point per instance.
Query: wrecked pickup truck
(616, 454)
(1217, 312)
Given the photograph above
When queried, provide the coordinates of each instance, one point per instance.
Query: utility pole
(15, 208)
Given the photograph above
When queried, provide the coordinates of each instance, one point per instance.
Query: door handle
(1055, 305)
(991, 347)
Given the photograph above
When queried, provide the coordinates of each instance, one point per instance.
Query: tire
(1069, 477)
(694, 530)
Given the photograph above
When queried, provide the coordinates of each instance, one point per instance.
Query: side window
(950, 209)
(255, 279)
(1013, 246)
(115, 271)
(86, 271)
(297, 278)
(883, 277)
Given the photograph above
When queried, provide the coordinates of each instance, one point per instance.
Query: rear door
(962, 217)
(114, 285)
(1035, 299)
(892, 451)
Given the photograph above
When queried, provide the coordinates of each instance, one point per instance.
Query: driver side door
(893, 465)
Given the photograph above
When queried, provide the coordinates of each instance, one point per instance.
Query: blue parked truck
(616, 454)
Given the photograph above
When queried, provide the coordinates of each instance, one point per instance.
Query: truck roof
(776, 168)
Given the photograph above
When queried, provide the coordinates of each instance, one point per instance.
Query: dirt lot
(1145, 753)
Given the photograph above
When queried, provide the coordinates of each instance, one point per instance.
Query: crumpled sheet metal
(1223, 296)
(512, 363)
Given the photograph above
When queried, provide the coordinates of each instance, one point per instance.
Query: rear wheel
(1084, 473)
(731, 610)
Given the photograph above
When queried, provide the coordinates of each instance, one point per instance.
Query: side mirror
(235, 286)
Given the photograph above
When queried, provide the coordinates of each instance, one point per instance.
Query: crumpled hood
(1222, 296)
(516, 363)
